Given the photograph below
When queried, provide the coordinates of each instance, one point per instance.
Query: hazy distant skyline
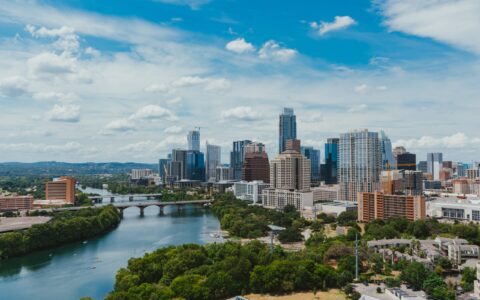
(125, 80)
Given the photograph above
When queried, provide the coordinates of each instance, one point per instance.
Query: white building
(335, 207)
(250, 190)
(454, 209)
(325, 193)
(278, 198)
(223, 173)
(140, 173)
(212, 160)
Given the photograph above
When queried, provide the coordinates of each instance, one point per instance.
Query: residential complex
(376, 205)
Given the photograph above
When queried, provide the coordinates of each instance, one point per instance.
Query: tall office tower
(422, 166)
(293, 145)
(314, 156)
(237, 157)
(330, 168)
(434, 164)
(62, 188)
(387, 153)
(195, 163)
(223, 173)
(461, 168)
(193, 139)
(212, 160)
(399, 150)
(163, 167)
(403, 182)
(407, 161)
(290, 170)
(178, 165)
(136, 174)
(448, 164)
(359, 164)
(287, 128)
(376, 205)
(255, 165)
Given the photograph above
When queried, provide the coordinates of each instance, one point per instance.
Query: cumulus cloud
(242, 113)
(159, 88)
(121, 125)
(174, 129)
(68, 40)
(13, 87)
(364, 88)
(455, 22)
(194, 4)
(64, 113)
(55, 96)
(153, 112)
(47, 65)
(458, 140)
(357, 108)
(209, 84)
(240, 46)
(272, 50)
(340, 22)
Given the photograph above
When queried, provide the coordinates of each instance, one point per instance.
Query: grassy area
(330, 295)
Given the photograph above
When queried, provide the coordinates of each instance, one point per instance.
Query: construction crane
(390, 187)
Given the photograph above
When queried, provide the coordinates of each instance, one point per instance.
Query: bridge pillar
(120, 210)
(141, 210)
(130, 198)
(160, 212)
(112, 199)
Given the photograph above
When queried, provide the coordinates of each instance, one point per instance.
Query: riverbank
(64, 228)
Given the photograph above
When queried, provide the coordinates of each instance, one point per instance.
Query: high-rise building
(287, 128)
(223, 173)
(237, 157)
(163, 167)
(373, 206)
(330, 168)
(434, 164)
(399, 150)
(403, 182)
(256, 165)
(193, 139)
(293, 144)
(136, 174)
(250, 191)
(407, 161)
(360, 161)
(62, 188)
(178, 165)
(212, 160)
(314, 156)
(290, 170)
(388, 161)
(195, 163)
(422, 166)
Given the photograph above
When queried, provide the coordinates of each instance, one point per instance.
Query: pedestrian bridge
(161, 204)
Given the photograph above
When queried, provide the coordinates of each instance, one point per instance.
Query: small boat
(85, 242)
(215, 235)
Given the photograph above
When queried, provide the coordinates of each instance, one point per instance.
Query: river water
(88, 268)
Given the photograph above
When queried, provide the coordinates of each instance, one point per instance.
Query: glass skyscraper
(193, 139)
(314, 156)
(387, 153)
(237, 156)
(434, 164)
(195, 162)
(330, 168)
(212, 160)
(287, 128)
(360, 161)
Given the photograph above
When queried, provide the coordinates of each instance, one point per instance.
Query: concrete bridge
(99, 199)
(179, 204)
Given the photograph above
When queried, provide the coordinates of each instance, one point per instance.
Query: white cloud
(175, 100)
(272, 50)
(68, 40)
(364, 88)
(210, 84)
(121, 125)
(160, 88)
(242, 113)
(455, 22)
(92, 52)
(458, 140)
(13, 87)
(153, 112)
(361, 89)
(357, 108)
(340, 22)
(194, 4)
(64, 113)
(55, 96)
(47, 63)
(240, 46)
(174, 129)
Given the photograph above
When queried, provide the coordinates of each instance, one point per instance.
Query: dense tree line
(421, 229)
(25, 185)
(65, 227)
(218, 271)
(244, 220)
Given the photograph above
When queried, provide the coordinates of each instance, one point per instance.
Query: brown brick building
(62, 188)
(372, 206)
(255, 164)
(10, 203)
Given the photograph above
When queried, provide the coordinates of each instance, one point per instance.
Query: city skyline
(85, 81)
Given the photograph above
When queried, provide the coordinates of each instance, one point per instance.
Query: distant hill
(62, 168)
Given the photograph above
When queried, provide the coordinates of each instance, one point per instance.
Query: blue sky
(118, 80)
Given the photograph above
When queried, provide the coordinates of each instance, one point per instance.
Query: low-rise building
(453, 208)
(336, 207)
(15, 202)
(325, 193)
(250, 190)
(279, 198)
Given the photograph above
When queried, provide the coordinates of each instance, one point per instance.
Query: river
(88, 269)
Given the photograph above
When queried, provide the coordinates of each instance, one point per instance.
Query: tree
(290, 235)
(432, 283)
(347, 217)
(468, 276)
(377, 263)
(191, 287)
(414, 274)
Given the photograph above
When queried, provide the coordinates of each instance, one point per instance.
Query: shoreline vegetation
(65, 227)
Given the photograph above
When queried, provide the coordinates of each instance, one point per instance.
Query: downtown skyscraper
(329, 170)
(388, 160)
(314, 156)
(237, 157)
(193, 140)
(212, 160)
(287, 128)
(434, 164)
(360, 163)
